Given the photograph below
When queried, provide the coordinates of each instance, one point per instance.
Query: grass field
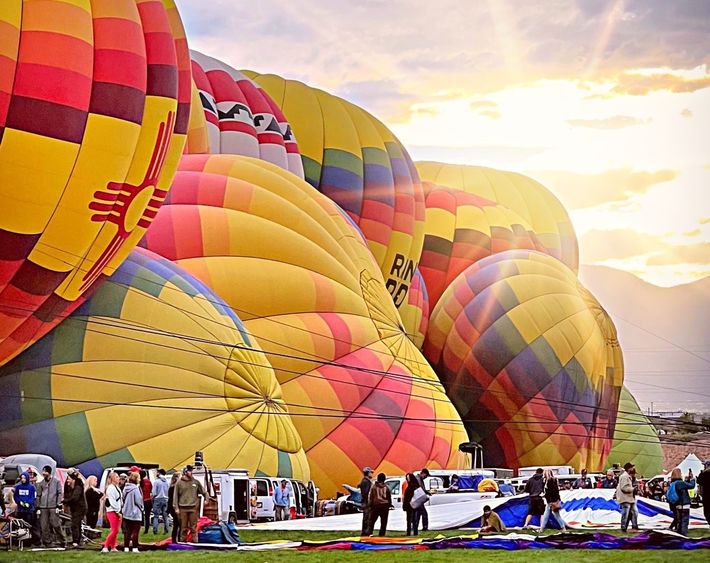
(92, 555)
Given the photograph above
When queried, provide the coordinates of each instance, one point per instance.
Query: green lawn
(561, 556)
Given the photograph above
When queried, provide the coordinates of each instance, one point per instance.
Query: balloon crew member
(186, 502)
(491, 522)
(171, 508)
(423, 474)
(554, 502)
(365, 486)
(49, 505)
(535, 487)
(282, 501)
(133, 511)
(380, 502)
(160, 501)
(704, 490)
(625, 494)
(113, 504)
(75, 503)
(25, 496)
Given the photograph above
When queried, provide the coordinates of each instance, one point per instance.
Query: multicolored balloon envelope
(303, 280)
(462, 228)
(239, 117)
(351, 157)
(635, 439)
(532, 201)
(152, 368)
(530, 360)
(415, 311)
(94, 108)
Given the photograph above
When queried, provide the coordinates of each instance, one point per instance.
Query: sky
(606, 102)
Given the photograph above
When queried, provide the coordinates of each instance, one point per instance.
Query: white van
(303, 497)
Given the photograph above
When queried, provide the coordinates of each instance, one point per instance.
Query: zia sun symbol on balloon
(124, 204)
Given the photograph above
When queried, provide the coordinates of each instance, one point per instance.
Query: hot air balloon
(462, 228)
(304, 282)
(351, 157)
(152, 368)
(415, 311)
(94, 107)
(239, 117)
(530, 360)
(537, 206)
(635, 439)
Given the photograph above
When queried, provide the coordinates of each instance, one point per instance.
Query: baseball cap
(188, 468)
(135, 469)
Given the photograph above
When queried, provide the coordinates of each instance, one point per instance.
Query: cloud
(686, 113)
(578, 190)
(490, 113)
(698, 253)
(478, 104)
(614, 122)
(640, 85)
(616, 244)
(380, 97)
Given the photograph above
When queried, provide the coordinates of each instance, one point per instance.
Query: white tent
(691, 462)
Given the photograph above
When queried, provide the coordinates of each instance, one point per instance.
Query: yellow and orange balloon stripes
(94, 108)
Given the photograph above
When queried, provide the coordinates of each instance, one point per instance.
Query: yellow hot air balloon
(94, 107)
(152, 368)
(300, 275)
(529, 199)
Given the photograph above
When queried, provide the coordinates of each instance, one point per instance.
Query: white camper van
(231, 488)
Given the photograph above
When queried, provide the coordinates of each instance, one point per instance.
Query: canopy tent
(691, 462)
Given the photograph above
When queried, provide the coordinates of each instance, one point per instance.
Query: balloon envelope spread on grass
(94, 104)
(355, 160)
(532, 201)
(152, 368)
(530, 360)
(303, 280)
(635, 439)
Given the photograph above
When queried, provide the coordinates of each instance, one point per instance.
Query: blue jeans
(626, 509)
(683, 516)
(555, 514)
(160, 508)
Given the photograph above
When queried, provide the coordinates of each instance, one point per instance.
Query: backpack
(672, 494)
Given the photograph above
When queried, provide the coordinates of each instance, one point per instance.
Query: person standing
(704, 490)
(160, 501)
(583, 482)
(49, 505)
(93, 501)
(75, 502)
(113, 504)
(25, 496)
(678, 493)
(282, 501)
(634, 511)
(535, 487)
(554, 502)
(186, 501)
(423, 513)
(365, 486)
(132, 511)
(625, 494)
(147, 490)
(171, 508)
(410, 485)
(380, 502)
(609, 481)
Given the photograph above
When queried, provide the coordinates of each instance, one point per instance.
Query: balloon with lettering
(530, 360)
(94, 106)
(239, 117)
(302, 279)
(532, 201)
(354, 159)
(153, 367)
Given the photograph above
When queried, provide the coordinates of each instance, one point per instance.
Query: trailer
(227, 494)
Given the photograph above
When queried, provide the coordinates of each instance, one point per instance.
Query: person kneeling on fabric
(491, 522)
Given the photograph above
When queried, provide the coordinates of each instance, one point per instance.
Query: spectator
(75, 502)
(423, 475)
(610, 481)
(380, 502)
(678, 492)
(93, 501)
(122, 480)
(634, 511)
(583, 482)
(625, 494)
(411, 484)
(186, 501)
(25, 495)
(113, 504)
(147, 490)
(171, 508)
(454, 487)
(49, 505)
(554, 502)
(282, 501)
(365, 486)
(704, 490)
(132, 511)
(160, 501)
(535, 487)
(491, 522)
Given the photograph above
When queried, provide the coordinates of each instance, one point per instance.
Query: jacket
(25, 494)
(49, 493)
(113, 498)
(493, 521)
(682, 487)
(75, 499)
(380, 495)
(160, 487)
(132, 502)
(407, 496)
(282, 497)
(552, 491)
(146, 489)
(365, 486)
(535, 485)
(625, 489)
(609, 484)
(187, 490)
(583, 483)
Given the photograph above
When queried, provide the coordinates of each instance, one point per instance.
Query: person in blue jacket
(25, 496)
(682, 504)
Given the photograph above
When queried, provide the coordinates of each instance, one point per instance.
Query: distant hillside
(665, 335)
